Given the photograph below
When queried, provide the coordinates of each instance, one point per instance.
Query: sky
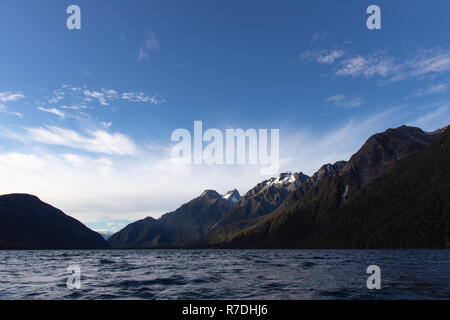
(86, 116)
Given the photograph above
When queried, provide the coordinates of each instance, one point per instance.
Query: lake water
(225, 274)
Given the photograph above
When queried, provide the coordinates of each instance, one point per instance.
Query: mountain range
(394, 192)
(296, 211)
(179, 228)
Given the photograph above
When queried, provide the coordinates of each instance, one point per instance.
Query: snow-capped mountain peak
(283, 178)
(232, 195)
(287, 177)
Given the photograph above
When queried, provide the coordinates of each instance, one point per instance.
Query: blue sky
(86, 115)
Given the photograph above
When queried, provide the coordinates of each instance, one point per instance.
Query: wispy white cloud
(3, 109)
(343, 101)
(104, 96)
(381, 66)
(96, 141)
(370, 66)
(58, 95)
(433, 117)
(317, 36)
(142, 97)
(74, 107)
(54, 111)
(323, 56)
(96, 95)
(433, 89)
(7, 96)
(80, 102)
(22, 161)
(106, 124)
(430, 61)
(79, 161)
(77, 98)
(150, 44)
(110, 94)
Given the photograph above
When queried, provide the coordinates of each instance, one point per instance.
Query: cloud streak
(150, 44)
(433, 89)
(4, 110)
(323, 56)
(96, 141)
(142, 97)
(381, 66)
(340, 100)
(54, 111)
(7, 96)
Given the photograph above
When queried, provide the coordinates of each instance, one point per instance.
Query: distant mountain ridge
(179, 228)
(29, 223)
(105, 234)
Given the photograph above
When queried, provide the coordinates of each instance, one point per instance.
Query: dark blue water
(225, 274)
